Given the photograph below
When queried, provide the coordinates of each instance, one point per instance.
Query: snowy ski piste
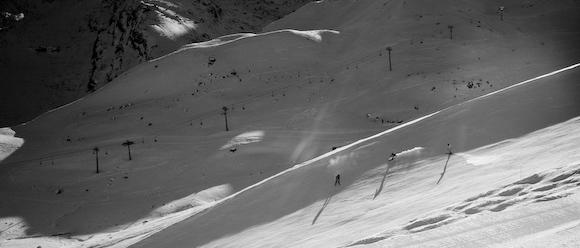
(343, 124)
(412, 152)
(361, 141)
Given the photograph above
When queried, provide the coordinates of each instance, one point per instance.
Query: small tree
(96, 152)
(128, 144)
(450, 27)
(389, 49)
(225, 113)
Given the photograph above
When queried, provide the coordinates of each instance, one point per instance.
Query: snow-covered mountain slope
(394, 202)
(59, 50)
(290, 96)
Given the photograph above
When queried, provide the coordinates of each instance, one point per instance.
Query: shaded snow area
(58, 51)
(347, 123)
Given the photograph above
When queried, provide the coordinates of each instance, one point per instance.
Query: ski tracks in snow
(541, 187)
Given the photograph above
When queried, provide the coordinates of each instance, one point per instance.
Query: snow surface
(62, 49)
(278, 210)
(8, 143)
(311, 97)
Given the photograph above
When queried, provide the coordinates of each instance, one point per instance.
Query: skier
(337, 180)
(392, 157)
(449, 152)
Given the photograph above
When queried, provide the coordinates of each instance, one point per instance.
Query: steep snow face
(300, 207)
(64, 49)
(288, 96)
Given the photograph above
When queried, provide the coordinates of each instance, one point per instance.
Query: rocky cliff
(54, 52)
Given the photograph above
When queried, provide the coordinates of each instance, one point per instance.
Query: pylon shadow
(326, 202)
(378, 191)
(444, 168)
